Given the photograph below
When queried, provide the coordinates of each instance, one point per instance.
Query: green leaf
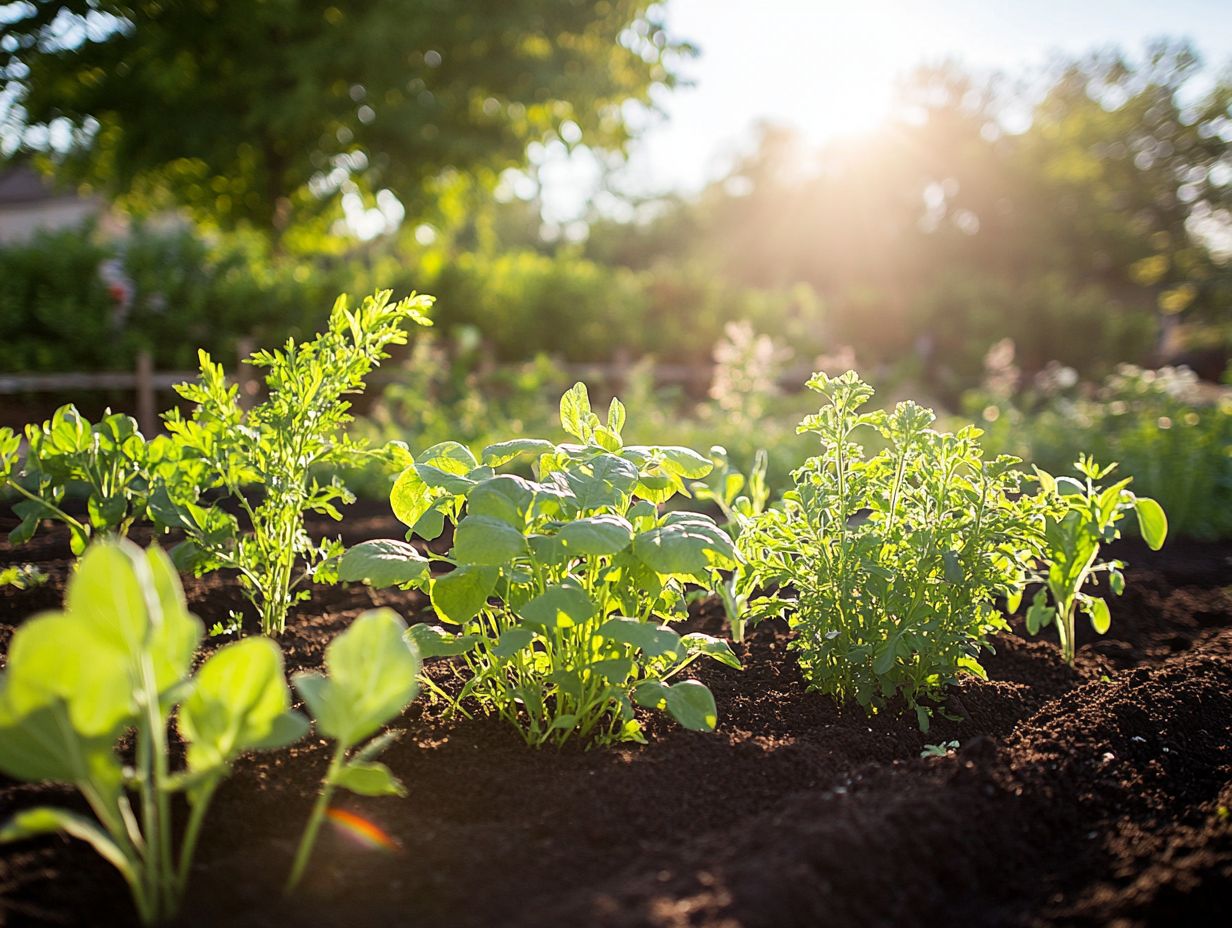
(511, 641)
(449, 457)
(373, 673)
(652, 640)
(505, 497)
(687, 549)
(683, 462)
(560, 606)
(459, 595)
(575, 412)
(434, 641)
(44, 820)
(596, 535)
(1101, 618)
(692, 705)
(650, 694)
(369, 778)
(486, 542)
(952, 568)
(411, 497)
(1116, 581)
(603, 482)
(714, 648)
(505, 451)
(239, 696)
(1152, 522)
(384, 562)
(1040, 614)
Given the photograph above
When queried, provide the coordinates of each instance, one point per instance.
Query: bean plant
(897, 559)
(1087, 520)
(562, 586)
(116, 660)
(266, 459)
(109, 463)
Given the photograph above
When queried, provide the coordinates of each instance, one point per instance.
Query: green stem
(189, 845)
(60, 513)
(304, 851)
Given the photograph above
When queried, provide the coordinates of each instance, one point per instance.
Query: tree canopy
(268, 111)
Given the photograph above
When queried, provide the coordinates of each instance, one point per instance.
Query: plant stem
(306, 842)
(189, 844)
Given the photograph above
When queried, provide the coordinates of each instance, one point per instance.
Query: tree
(270, 111)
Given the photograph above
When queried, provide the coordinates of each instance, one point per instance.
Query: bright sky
(828, 68)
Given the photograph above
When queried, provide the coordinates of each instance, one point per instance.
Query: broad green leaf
(505, 497)
(692, 705)
(1152, 522)
(40, 744)
(511, 641)
(1116, 581)
(449, 482)
(1039, 614)
(688, 549)
(1101, 618)
(450, 457)
(369, 778)
(382, 563)
(43, 820)
(560, 606)
(459, 595)
(650, 694)
(683, 462)
(596, 535)
(604, 482)
(108, 587)
(505, 451)
(411, 497)
(434, 641)
(486, 542)
(373, 673)
(239, 696)
(651, 640)
(714, 648)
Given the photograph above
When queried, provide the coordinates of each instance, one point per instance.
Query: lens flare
(366, 833)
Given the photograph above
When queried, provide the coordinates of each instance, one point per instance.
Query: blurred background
(1018, 213)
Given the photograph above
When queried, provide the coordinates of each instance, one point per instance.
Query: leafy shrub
(561, 586)
(1157, 424)
(1074, 537)
(897, 559)
(118, 659)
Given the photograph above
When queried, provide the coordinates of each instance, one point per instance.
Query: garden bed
(1091, 795)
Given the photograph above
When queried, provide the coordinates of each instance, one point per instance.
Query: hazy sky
(828, 68)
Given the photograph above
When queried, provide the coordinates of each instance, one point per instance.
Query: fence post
(147, 418)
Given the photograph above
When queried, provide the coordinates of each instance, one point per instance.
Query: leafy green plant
(23, 576)
(109, 463)
(944, 749)
(562, 585)
(373, 674)
(116, 660)
(275, 449)
(898, 559)
(1074, 536)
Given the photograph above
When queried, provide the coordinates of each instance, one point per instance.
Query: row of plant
(556, 572)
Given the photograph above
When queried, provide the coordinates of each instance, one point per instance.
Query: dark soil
(1090, 796)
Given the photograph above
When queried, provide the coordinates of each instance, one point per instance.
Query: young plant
(561, 585)
(741, 500)
(265, 459)
(116, 660)
(109, 462)
(897, 559)
(373, 675)
(1087, 520)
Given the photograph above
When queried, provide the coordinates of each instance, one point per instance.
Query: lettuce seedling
(274, 451)
(116, 660)
(373, 675)
(561, 586)
(897, 559)
(1088, 518)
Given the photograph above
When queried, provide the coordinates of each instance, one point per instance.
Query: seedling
(944, 749)
(117, 659)
(266, 459)
(373, 676)
(1088, 519)
(561, 586)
